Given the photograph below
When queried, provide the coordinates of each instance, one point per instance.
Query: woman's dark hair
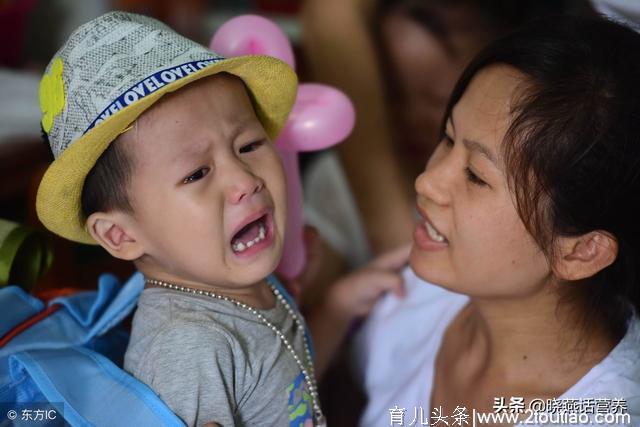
(572, 151)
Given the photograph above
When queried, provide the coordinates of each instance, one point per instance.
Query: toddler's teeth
(239, 246)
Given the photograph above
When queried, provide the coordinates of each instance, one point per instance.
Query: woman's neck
(530, 340)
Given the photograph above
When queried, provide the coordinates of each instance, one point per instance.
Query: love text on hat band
(151, 84)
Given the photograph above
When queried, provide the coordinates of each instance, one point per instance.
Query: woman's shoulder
(617, 376)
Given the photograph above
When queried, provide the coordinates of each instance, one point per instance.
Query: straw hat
(108, 73)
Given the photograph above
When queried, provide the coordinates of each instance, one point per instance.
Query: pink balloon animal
(321, 117)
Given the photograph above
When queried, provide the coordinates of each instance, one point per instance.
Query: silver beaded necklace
(309, 374)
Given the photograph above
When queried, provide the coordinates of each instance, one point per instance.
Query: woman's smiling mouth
(433, 233)
(427, 236)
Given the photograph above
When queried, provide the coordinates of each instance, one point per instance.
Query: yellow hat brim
(272, 86)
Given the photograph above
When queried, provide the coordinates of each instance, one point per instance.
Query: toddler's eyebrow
(192, 150)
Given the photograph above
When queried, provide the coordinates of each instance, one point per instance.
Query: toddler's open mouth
(253, 235)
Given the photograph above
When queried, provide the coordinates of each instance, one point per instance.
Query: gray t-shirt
(211, 361)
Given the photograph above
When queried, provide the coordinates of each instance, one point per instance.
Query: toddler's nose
(242, 184)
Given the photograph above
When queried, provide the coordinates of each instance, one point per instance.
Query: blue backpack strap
(280, 287)
(17, 306)
(100, 311)
(88, 389)
(46, 363)
(82, 317)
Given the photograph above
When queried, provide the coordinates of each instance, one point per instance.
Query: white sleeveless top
(395, 352)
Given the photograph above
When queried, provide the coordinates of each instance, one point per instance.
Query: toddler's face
(208, 189)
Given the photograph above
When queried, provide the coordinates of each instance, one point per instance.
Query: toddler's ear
(583, 256)
(113, 232)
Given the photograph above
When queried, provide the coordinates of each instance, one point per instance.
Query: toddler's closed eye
(253, 146)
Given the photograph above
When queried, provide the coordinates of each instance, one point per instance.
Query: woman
(529, 227)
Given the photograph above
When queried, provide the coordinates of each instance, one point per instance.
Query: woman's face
(470, 238)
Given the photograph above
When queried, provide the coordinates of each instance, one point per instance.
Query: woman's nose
(436, 182)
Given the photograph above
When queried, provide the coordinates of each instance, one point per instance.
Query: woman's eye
(472, 177)
(251, 147)
(197, 175)
(448, 141)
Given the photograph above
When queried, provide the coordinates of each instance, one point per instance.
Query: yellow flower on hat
(52, 94)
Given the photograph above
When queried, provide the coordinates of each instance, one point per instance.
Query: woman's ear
(584, 256)
(114, 231)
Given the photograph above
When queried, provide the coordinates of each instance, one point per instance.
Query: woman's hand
(355, 294)
(351, 297)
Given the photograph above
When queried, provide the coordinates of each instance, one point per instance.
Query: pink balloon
(293, 250)
(321, 117)
(252, 35)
